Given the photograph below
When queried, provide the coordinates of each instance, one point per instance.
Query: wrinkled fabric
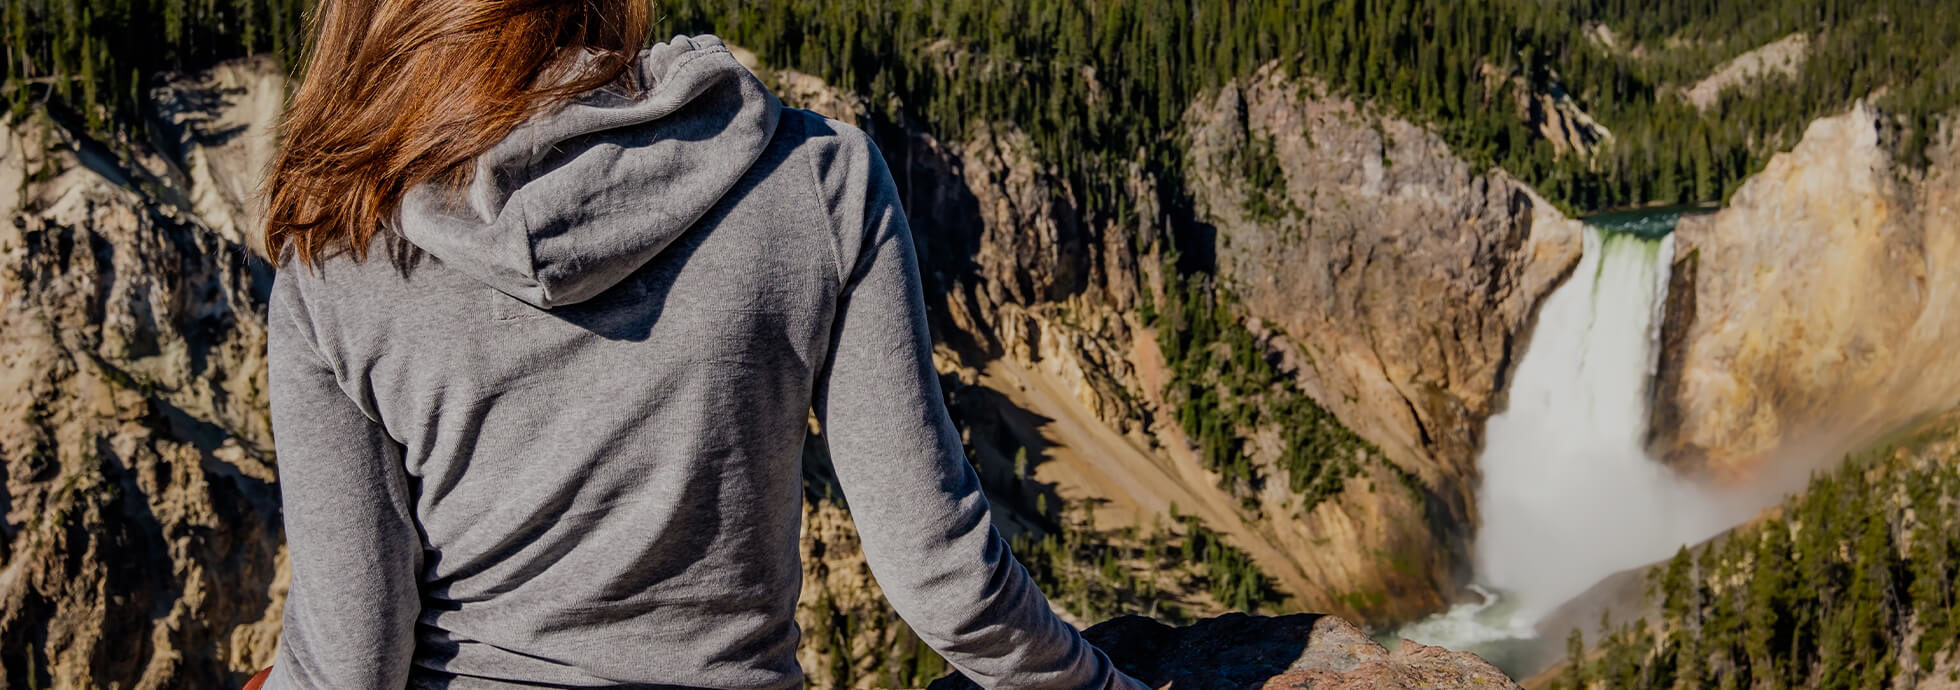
(561, 448)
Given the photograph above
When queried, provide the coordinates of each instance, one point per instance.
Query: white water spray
(1569, 494)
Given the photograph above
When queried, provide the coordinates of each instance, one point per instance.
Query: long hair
(396, 93)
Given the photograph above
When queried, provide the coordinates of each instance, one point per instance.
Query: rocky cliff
(1818, 310)
(1784, 56)
(1297, 652)
(1549, 110)
(142, 544)
(1398, 284)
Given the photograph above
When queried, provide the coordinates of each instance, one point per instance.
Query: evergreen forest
(1098, 83)
(1852, 584)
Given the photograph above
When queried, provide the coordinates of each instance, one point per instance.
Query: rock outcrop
(1817, 311)
(142, 538)
(217, 131)
(1783, 56)
(1023, 273)
(1297, 652)
(1400, 284)
(1548, 110)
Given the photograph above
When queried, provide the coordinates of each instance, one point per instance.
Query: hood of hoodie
(577, 199)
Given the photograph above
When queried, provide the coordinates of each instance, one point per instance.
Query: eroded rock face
(1014, 268)
(1302, 651)
(1406, 278)
(1399, 283)
(1023, 273)
(219, 129)
(1825, 301)
(143, 546)
(1551, 112)
(1782, 56)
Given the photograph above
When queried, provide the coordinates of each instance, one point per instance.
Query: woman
(550, 319)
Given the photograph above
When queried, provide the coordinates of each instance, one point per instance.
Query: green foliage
(1097, 575)
(1223, 386)
(94, 57)
(1258, 164)
(907, 662)
(1095, 82)
(1851, 585)
(913, 664)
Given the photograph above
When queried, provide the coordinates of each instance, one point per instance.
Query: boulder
(1297, 652)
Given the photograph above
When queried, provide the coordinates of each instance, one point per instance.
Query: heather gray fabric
(562, 450)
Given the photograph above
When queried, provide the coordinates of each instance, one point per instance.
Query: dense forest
(1095, 82)
(1223, 385)
(96, 58)
(1854, 583)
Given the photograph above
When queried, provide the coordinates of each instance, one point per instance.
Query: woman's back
(559, 444)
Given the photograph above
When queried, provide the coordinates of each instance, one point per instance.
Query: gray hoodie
(562, 449)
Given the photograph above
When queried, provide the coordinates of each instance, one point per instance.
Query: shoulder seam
(309, 336)
(307, 332)
(839, 275)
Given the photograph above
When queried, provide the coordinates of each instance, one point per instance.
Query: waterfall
(1569, 494)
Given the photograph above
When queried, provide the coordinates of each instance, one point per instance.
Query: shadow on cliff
(194, 107)
(1007, 444)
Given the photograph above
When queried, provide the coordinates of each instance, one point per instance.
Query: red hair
(396, 93)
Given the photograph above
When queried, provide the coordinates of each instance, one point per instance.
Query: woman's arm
(351, 537)
(917, 503)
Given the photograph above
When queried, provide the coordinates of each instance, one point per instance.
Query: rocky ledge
(1297, 652)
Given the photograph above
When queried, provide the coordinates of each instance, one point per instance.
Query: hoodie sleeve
(916, 501)
(351, 538)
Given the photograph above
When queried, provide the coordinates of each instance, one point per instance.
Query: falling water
(1569, 494)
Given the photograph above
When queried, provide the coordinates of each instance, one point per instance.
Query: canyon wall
(1818, 310)
(1399, 286)
(1406, 279)
(142, 543)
